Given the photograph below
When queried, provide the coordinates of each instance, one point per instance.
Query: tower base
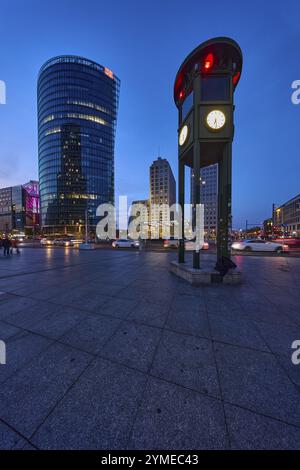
(200, 277)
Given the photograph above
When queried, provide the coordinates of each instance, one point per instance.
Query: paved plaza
(108, 350)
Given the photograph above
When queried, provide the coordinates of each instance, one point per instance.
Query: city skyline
(264, 169)
(149, 231)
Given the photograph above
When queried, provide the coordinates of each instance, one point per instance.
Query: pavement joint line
(236, 405)
(269, 302)
(29, 361)
(148, 373)
(133, 321)
(14, 334)
(92, 311)
(218, 376)
(62, 397)
(253, 324)
(55, 268)
(286, 372)
(80, 284)
(28, 330)
(185, 387)
(164, 328)
(22, 436)
(297, 387)
(212, 397)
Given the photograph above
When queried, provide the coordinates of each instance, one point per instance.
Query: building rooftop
(77, 60)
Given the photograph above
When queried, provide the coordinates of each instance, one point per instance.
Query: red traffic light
(236, 77)
(221, 55)
(208, 61)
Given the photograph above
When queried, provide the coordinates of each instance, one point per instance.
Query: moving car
(20, 238)
(77, 241)
(46, 242)
(63, 242)
(125, 243)
(171, 243)
(190, 245)
(66, 242)
(291, 242)
(259, 245)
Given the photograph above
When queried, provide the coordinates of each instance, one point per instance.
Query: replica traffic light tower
(203, 93)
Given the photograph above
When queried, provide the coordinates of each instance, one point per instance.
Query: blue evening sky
(144, 43)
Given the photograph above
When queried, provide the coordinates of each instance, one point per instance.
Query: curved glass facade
(77, 113)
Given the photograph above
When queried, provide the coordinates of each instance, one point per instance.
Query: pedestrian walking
(15, 245)
(6, 245)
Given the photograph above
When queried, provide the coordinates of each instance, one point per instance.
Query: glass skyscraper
(77, 113)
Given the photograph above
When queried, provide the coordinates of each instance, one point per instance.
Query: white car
(125, 243)
(190, 245)
(171, 243)
(77, 241)
(47, 242)
(259, 245)
(63, 242)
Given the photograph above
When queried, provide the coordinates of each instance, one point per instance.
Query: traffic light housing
(204, 95)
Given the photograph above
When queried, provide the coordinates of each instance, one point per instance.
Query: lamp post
(86, 226)
(86, 245)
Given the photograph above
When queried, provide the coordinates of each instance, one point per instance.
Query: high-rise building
(77, 113)
(139, 202)
(143, 215)
(209, 197)
(162, 196)
(19, 208)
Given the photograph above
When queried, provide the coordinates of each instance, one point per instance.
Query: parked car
(259, 245)
(125, 243)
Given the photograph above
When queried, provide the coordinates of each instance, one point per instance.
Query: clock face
(215, 119)
(183, 134)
